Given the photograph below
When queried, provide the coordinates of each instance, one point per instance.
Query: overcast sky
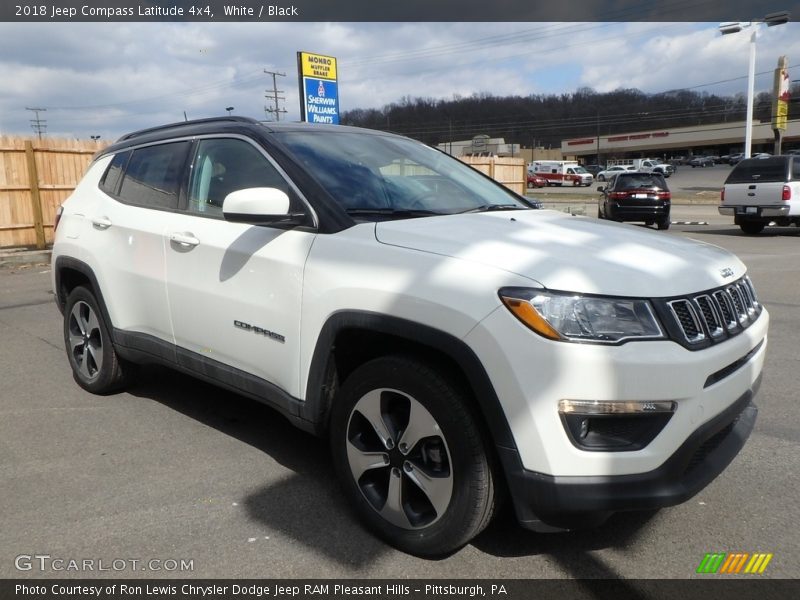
(107, 79)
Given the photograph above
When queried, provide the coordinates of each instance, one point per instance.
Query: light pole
(772, 19)
(597, 110)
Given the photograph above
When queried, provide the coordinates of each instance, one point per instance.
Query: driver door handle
(185, 239)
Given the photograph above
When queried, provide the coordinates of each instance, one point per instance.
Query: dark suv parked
(636, 197)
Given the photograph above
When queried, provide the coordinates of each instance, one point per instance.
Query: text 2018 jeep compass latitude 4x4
(449, 339)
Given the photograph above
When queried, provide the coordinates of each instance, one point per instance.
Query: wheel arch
(350, 338)
(71, 273)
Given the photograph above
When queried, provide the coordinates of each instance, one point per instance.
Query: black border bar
(707, 587)
(43, 11)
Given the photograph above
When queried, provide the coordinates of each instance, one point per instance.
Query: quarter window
(154, 174)
(222, 166)
(110, 182)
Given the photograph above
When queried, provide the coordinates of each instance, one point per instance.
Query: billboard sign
(319, 88)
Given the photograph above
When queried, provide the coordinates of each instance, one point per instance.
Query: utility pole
(38, 125)
(274, 95)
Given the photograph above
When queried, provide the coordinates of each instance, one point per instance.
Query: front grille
(686, 315)
(713, 315)
(723, 301)
(710, 314)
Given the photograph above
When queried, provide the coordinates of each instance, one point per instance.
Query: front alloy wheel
(399, 458)
(411, 457)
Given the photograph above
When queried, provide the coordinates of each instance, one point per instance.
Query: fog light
(614, 426)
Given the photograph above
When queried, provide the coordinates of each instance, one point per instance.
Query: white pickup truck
(760, 191)
(647, 165)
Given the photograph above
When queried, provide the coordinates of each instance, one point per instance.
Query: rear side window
(755, 170)
(796, 168)
(153, 176)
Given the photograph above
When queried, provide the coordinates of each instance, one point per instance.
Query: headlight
(572, 317)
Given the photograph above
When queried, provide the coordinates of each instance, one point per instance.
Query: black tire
(663, 224)
(402, 394)
(530, 185)
(90, 351)
(751, 227)
(601, 178)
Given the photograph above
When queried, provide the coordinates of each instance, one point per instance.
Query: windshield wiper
(391, 212)
(494, 207)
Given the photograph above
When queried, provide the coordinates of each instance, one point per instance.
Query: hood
(567, 253)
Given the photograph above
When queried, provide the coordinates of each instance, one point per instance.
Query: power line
(273, 95)
(38, 125)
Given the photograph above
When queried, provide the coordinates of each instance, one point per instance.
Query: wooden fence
(511, 172)
(36, 176)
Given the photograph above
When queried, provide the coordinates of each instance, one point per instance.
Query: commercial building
(716, 139)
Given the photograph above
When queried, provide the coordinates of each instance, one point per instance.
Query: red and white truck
(559, 172)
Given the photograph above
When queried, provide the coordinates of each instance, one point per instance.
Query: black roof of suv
(253, 127)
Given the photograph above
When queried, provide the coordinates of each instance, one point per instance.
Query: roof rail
(184, 123)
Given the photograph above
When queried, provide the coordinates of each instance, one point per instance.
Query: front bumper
(545, 502)
(552, 482)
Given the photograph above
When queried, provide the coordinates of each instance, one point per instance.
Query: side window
(222, 166)
(110, 181)
(154, 175)
(796, 168)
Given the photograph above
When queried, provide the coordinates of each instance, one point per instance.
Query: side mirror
(601, 188)
(259, 206)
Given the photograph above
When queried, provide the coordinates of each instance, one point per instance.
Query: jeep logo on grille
(726, 272)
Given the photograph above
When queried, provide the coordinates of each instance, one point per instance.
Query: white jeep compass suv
(450, 340)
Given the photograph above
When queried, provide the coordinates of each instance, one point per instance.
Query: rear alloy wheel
(95, 365)
(751, 227)
(601, 178)
(411, 457)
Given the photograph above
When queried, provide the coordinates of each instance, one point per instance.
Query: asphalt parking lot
(174, 469)
(687, 184)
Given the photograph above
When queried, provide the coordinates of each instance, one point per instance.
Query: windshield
(580, 170)
(370, 174)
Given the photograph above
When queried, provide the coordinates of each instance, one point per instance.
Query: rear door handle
(184, 239)
(101, 222)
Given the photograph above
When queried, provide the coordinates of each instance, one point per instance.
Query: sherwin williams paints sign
(319, 89)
